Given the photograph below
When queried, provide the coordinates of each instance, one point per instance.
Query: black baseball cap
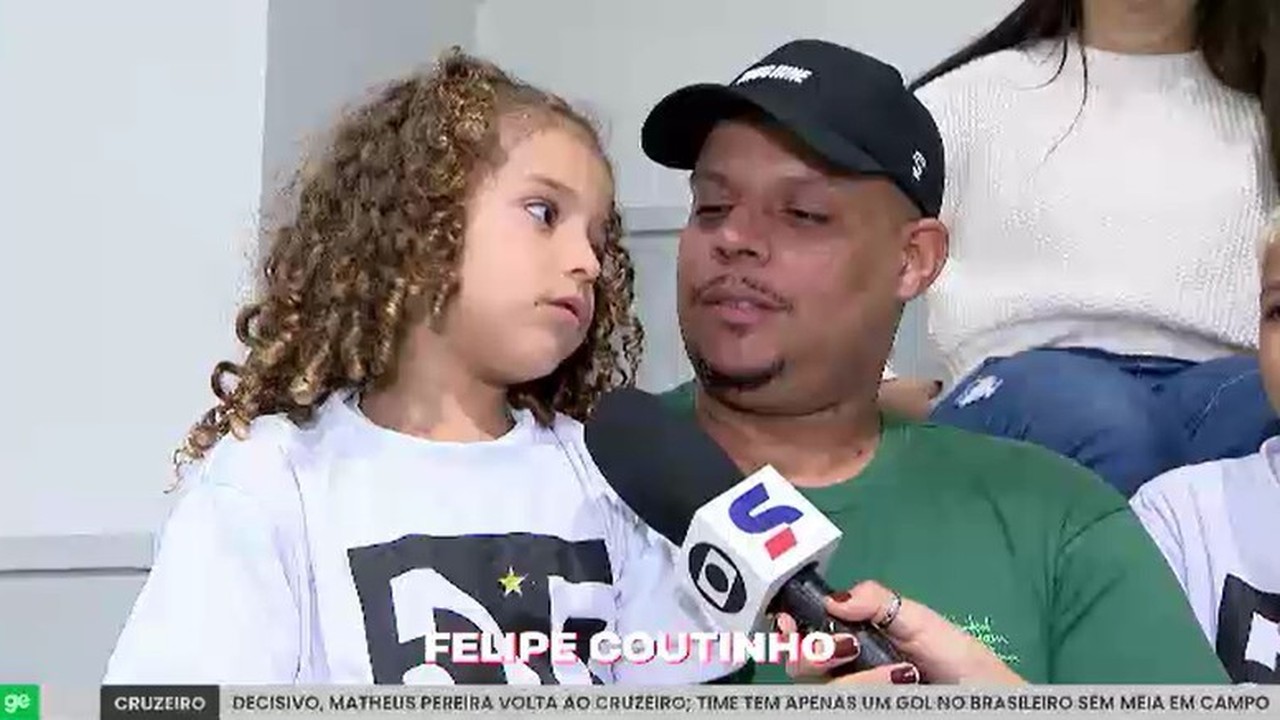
(851, 109)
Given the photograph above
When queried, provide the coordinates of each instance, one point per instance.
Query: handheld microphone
(748, 546)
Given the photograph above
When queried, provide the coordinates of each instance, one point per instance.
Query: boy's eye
(545, 212)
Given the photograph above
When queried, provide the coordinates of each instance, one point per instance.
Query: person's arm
(1119, 616)
(217, 607)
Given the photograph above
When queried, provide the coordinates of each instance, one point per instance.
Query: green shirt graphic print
(1030, 553)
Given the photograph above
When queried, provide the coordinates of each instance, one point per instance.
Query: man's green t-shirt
(1032, 554)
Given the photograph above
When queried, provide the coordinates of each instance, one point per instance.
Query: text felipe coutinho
(637, 647)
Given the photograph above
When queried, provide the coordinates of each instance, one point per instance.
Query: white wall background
(131, 138)
(325, 56)
(137, 141)
(130, 162)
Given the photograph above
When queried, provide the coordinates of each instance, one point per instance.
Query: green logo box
(19, 702)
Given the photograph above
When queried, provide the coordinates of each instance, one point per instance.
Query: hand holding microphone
(936, 649)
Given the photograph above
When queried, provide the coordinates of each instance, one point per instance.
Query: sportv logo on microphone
(743, 513)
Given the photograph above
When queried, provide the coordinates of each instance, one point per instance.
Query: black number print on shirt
(1249, 632)
(475, 583)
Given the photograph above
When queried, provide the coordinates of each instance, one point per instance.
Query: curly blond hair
(374, 246)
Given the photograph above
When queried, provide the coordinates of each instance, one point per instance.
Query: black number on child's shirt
(1249, 632)
(472, 566)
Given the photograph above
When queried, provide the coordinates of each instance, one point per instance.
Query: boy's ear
(924, 254)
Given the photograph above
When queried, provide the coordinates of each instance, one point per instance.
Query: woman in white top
(1108, 175)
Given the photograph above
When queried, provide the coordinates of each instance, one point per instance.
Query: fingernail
(842, 596)
(846, 646)
(907, 675)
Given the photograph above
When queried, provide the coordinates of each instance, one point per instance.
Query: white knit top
(1135, 230)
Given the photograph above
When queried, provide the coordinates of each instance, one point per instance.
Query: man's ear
(924, 254)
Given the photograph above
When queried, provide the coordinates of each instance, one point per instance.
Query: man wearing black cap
(816, 181)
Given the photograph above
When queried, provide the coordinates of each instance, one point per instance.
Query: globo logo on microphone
(717, 578)
(747, 516)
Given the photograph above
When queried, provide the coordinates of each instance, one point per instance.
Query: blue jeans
(1127, 418)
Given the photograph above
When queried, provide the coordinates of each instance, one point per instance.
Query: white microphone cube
(746, 543)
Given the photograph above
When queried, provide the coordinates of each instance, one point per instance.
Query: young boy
(399, 454)
(1218, 523)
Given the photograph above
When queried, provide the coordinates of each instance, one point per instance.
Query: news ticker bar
(30, 702)
(209, 702)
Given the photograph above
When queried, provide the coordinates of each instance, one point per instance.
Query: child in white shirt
(1218, 524)
(398, 454)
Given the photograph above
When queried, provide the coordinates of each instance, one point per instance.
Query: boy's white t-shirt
(326, 554)
(1218, 525)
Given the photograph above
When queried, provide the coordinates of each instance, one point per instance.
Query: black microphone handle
(804, 598)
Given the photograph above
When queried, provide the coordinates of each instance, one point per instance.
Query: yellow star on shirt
(511, 582)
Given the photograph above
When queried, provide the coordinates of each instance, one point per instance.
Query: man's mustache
(743, 284)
